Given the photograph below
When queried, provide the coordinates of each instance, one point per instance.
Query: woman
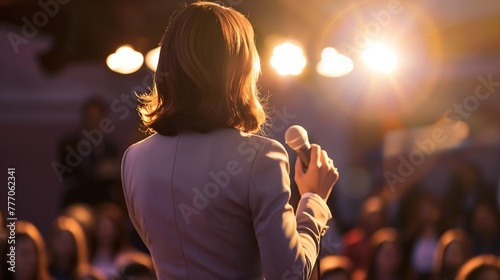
(385, 255)
(357, 240)
(31, 256)
(482, 267)
(208, 198)
(335, 268)
(68, 250)
(109, 239)
(452, 252)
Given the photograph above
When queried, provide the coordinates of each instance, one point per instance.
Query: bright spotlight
(288, 59)
(125, 60)
(379, 57)
(334, 64)
(152, 58)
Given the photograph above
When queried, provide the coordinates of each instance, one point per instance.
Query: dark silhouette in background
(96, 176)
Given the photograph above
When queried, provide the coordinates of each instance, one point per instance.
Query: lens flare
(379, 57)
(288, 59)
(152, 58)
(334, 64)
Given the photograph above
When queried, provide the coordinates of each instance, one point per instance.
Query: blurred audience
(87, 272)
(336, 268)
(68, 249)
(134, 265)
(31, 255)
(452, 252)
(421, 233)
(385, 254)
(110, 238)
(85, 216)
(356, 240)
(485, 228)
(463, 193)
(483, 267)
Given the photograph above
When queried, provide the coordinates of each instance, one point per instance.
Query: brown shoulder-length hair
(381, 237)
(25, 229)
(206, 75)
(79, 257)
(461, 237)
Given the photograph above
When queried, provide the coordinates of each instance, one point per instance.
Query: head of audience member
(372, 216)
(336, 268)
(31, 255)
(452, 252)
(425, 214)
(110, 231)
(385, 255)
(88, 272)
(93, 110)
(68, 250)
(134, 265)
(84, 215)
(467, 176)
(483, 267)
(485, 220)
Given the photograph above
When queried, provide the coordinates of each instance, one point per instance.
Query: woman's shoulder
(259, 142)
(232, 139)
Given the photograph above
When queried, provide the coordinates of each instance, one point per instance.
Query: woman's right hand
(320, 176)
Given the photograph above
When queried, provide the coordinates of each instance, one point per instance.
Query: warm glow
(125, 60)
(379, 57)
(288, 59)
(334, 64)
(152, 58)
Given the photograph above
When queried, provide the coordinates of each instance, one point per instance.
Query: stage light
(334, 64)
(125, 60)
(152, 58)
(379, 57)
(288, 59)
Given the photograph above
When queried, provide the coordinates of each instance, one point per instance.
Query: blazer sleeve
(125, 187)
(288, 244)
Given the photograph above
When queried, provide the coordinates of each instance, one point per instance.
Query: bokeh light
(152, 58)
(379, 57)
(288, 59)
(125, 60)
(334, 64)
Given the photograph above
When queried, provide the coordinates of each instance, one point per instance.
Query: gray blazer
(215, 206)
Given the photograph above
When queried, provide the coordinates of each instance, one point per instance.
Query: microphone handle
(304, 155)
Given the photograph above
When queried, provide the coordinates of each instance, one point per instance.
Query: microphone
(297, 139)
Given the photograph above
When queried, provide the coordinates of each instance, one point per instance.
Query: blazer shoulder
(259, 142)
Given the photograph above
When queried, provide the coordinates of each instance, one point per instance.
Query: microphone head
(296, 137)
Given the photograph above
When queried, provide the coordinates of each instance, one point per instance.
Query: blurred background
(404, 95)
